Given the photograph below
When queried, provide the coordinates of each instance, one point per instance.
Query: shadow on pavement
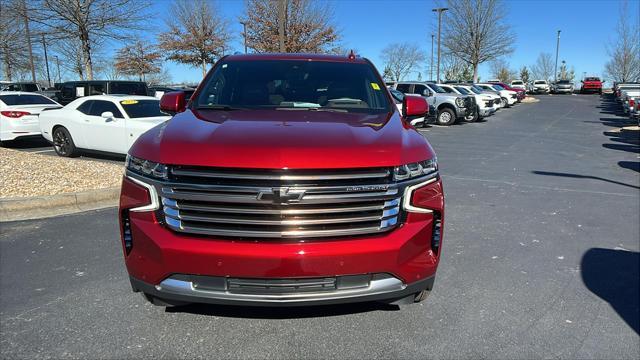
(577, 176)
(613, 276)
(281, 312)
(631, 165)
(27, 143)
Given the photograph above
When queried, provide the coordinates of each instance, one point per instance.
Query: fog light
(127, 238)
(436, 233)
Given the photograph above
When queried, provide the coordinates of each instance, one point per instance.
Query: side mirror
(107, 115)
(426, 93)
(173, 102)
(414, 106)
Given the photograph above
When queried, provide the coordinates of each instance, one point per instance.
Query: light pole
(439, 11)
(244, 34)
(46, 59)
(557, 49)
(431, 68)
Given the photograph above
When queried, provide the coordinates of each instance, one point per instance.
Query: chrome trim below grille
(379, 284)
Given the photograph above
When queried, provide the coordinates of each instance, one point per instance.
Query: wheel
(421, 296)
(63, 143)
(446, 117)
(504, 102)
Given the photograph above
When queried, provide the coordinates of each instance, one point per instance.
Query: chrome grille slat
(367, 203)
(282, 176)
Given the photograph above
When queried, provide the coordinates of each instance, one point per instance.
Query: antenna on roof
(352, 55)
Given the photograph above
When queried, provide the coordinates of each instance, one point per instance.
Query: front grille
(280, 286)
(469, 102)
(489, 103)
(514, 96)
(280, 203)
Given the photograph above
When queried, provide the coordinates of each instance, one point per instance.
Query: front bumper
(406, 254)
(486, 111)
(221, 290)
(561, 90)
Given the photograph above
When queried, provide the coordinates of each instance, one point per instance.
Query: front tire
(446, 117)
(63, 143)
(504, 102)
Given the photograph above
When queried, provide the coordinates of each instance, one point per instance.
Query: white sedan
(19, 113)
(106, 123)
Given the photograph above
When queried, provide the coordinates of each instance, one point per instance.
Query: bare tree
(500, 70)
(70, 51)
(455, 68)
(625, 49)
(565, 73)
(90, 21)
(307, 26)
(525, 76)
(401, 59)
(543, 69)
(475, 31)
(138, 59)
(196, 34)
(161, 77)
(13, 55)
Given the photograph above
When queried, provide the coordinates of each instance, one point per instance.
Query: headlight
(147, 168)
(415, 170)
(460, 102)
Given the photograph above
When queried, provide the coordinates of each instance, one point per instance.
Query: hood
(277, 139)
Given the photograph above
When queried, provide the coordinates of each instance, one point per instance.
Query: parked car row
(66, 92)
(628, 95)
(457, 101)
(105, 123)
(541, 86)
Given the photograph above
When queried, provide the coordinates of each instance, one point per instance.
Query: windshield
(516, 83)
(539, 82)
(462, 90)
(498, 87)
(397, 95)
(592, 79)
(564, 82)
(294, 84)
(436, 88)
(475, 89)
(26, 99)
(142, 108)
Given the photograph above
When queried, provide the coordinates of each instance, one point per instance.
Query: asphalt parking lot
(540, 260)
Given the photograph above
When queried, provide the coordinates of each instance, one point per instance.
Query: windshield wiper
(218, 107)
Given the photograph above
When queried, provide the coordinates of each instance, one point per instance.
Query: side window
(419, 89)
(97, 89)
(68, 91)
(85, 107)
(100, 106)
(403, 88)
(447, 89)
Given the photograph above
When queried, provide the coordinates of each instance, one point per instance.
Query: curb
(39, 207)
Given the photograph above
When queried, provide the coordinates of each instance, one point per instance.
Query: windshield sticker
(375, 86)
(128, 102)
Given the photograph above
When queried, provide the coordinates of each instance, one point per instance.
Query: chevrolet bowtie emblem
(281, 195)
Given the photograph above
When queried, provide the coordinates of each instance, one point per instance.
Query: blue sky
(370, 25)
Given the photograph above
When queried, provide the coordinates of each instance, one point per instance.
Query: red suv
(285, 180)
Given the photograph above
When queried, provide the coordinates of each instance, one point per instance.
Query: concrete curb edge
(38, 207)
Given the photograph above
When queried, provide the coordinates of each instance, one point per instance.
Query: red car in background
(287, 179)
(591, 84)
(521, 92)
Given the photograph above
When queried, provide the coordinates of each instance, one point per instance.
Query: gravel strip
(25, 174)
